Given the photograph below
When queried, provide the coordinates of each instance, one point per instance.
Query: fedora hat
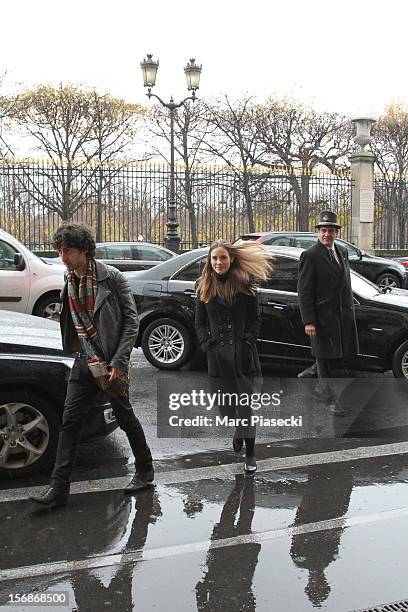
(328, 219)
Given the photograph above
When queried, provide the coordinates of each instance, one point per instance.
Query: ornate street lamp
(192, 71)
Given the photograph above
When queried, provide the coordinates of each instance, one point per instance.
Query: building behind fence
(128, 201)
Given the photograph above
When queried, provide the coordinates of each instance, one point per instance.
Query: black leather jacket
(115, 318)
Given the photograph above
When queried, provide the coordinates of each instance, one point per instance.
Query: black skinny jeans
(82, 389)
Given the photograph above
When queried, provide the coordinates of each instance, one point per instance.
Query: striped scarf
(81, 303)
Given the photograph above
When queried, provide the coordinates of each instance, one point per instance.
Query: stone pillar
(362, 191)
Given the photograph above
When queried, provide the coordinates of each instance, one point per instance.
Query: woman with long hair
(227, 324)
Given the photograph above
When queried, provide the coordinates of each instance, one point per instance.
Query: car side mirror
(19, 261)
(360, 254)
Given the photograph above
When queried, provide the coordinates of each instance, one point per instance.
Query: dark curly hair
(76, 236)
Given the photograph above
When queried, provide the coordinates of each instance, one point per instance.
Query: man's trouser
(325, 369)
(82, 390)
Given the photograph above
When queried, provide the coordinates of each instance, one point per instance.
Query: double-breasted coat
(326, 300)
(228, 335)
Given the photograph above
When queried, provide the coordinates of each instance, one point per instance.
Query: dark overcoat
(326, 300)
(228, 335)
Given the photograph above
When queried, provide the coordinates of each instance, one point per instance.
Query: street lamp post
(192, 72)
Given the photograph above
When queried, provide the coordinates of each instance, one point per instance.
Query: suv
(381, 271)
(27, 283)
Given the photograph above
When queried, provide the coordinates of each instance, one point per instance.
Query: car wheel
(29, 430)
(48, 307)
(167, 344)
(388, 280)
(400, 361)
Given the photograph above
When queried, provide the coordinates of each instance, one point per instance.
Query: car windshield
(363, 287)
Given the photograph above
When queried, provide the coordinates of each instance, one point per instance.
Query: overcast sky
(348, 56)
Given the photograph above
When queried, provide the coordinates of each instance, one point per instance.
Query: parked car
(27, 283)
(52, 260)
(33, 380)
(381, 271)
(165, 298)
(126, 256)
(130, 256)
(403, 261)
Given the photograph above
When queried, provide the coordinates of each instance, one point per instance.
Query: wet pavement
(320, 526)
(324, 535)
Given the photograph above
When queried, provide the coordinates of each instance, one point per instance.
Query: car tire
(388, 280)
(48, 307)
(400, 361)
(35, 448)
(167, 344)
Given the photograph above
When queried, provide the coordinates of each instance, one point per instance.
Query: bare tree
(7, 109)
(114, 126)
(73, 127)
(301, 139)
(235, 141)
(60, 122)
(390, 147)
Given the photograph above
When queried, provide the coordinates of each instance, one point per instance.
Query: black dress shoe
(237, 443)
(140, 480)
(51, 498)
(309, 372)
(335, 409)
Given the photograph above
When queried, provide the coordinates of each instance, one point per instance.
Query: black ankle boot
(51, 498)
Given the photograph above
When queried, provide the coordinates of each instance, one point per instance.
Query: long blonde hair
(250, 262)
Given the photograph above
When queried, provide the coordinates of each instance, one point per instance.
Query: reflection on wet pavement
(293, 538)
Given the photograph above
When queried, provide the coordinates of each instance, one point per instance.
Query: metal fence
(390, 212)
(128, 201)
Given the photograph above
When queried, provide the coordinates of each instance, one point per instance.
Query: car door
(282, 333)
(15, 280)
(181, 286)
(148, 256)
(117, 255)
(376, 325)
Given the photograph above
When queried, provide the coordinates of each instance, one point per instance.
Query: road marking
(135, 556)
(220, 471)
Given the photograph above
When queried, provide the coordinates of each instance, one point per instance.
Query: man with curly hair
(99, 323)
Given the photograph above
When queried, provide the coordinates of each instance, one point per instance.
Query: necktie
(333, 257)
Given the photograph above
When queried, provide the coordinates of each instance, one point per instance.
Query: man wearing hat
(326, 305)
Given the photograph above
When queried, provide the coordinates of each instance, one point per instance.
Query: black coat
(228, 335)
(326, 300)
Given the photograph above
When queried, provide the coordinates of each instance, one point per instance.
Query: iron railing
(128, 200)
(391, 212)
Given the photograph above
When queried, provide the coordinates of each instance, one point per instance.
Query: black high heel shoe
(237, 443)
(250, 466)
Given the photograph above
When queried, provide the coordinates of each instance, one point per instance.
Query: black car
(379, 270)
(165, 298)
(33, 380)
(128, 256)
